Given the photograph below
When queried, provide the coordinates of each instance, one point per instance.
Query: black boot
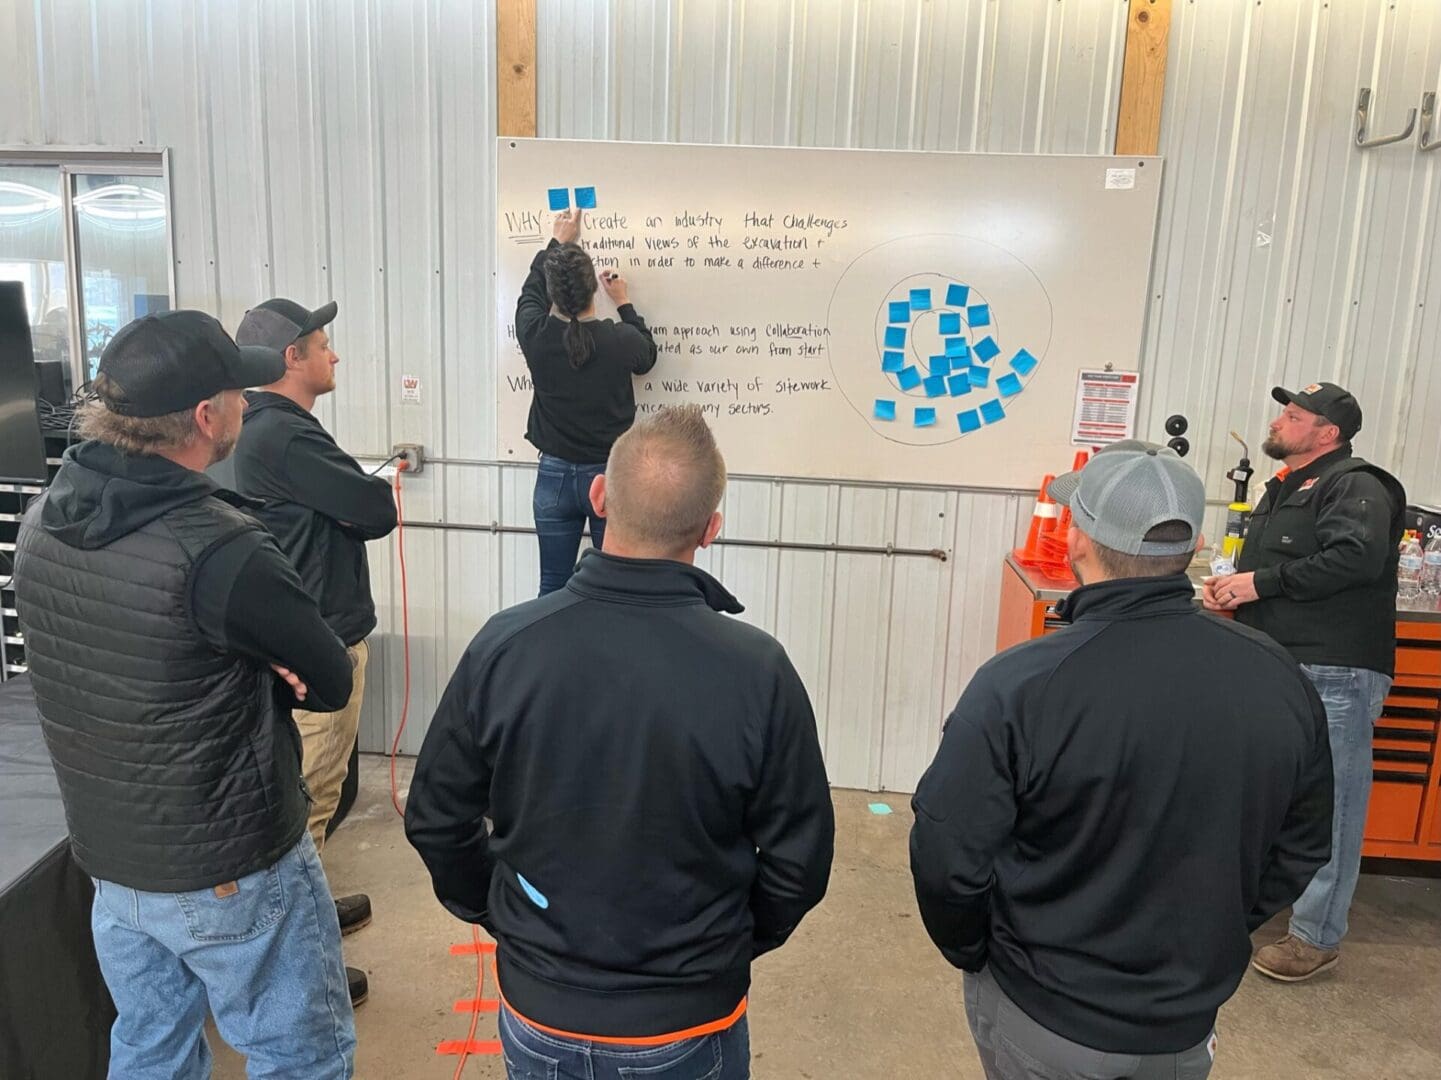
(359, 986)
(353, 912)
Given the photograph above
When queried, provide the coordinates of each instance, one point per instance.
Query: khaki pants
(326, 739)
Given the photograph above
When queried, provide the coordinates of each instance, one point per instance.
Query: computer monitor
(22, 448)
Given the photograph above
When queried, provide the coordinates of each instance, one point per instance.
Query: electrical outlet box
(413, 454)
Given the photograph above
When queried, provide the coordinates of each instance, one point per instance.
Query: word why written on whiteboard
(1105, 407)
(771, 242)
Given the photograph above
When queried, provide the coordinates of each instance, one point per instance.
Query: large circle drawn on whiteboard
(1019, 327)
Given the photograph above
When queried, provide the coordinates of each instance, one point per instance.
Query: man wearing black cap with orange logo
(322, 508)
(1318, 573)
(157, 616)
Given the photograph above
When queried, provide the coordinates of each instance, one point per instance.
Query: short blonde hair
(135, 434)
(665, 479)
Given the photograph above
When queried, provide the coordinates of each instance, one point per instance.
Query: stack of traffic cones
(1053, 544)
(1044, 520)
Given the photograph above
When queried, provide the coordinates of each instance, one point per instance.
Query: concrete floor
(859, 993)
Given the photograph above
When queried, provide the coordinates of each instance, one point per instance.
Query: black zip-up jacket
(152, 606)
(659, 807)
(319, 503)
(576, 414)
(1115, 807)
(1323, 544)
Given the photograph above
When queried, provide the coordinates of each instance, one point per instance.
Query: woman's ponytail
(570, 281)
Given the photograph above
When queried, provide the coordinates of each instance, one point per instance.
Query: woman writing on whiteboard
(581, 368)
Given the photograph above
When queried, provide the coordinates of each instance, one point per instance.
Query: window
(87, 234)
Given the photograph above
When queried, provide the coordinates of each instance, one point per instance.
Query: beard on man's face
(1278, 449)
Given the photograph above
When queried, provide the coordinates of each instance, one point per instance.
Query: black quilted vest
(178, 768)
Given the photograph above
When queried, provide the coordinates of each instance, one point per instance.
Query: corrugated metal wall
(344, 149)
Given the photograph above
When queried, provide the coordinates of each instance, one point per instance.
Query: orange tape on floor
(470, 948)
(478, 1005)
(460, 1046)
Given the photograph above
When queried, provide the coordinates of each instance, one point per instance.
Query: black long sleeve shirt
(576, 414)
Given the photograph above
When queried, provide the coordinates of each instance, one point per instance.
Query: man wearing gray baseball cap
(1115, 807)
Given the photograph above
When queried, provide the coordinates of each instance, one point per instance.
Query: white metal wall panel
(345, 148)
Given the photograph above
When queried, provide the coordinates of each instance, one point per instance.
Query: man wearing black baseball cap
(1318, 573)
(1106, 820)
(168, 639)
(322, 508)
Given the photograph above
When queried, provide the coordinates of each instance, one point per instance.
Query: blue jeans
(265, 959)
(562, 507)
(1353, 698)
(531, 1054)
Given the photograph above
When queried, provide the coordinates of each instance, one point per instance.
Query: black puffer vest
(177, 766)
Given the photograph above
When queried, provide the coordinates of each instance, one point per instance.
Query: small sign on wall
(1105, 407)
(410, 389)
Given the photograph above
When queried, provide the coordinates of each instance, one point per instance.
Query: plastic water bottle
(1221, 565)
(1409, 571)
(1431, 572)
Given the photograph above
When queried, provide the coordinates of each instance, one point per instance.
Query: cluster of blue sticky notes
(920, 299)
(979, 376)
(900, 311)
(1024, 362)
(987, 350)
(585, 198)
(950, 322)
(935, 386)
(956, 346)
(895, 337)
(925, 417)
(885, 409)
(959, 384)
(1009, 385)
(940, 365)
(991, 412)
(559, 198)
(979, 314)
(957, 295)
(969, 421)
(909, 378)
(892, 361)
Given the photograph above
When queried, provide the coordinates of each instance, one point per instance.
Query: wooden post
(515, 67)
(1143, 78)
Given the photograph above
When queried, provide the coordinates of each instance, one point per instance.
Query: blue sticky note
(1024, 362)
(536, 896)
(956, 346)
(892, 361)
(885, 409)
(959, 384)
(920, 299)
(979, 376)
(925, 417)
(935, 386)
(900, 311)
(979, 314)
(585, 198)
(880, 808)
(940, 365)
(1009, 385)
(895, 337)
(910, 378)
(950, 322)
(957, 295)
(991, 412)
(559, 198)
(969, 421)
(987, 350)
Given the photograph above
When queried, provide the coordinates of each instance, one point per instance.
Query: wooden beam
(515, 67)
(1143, 78)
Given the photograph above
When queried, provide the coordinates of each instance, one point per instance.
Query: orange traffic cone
(1043, 520)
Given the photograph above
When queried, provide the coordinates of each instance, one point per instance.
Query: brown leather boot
(1292, 960)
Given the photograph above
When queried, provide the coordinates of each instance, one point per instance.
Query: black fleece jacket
(659, 807)
(1115, 807)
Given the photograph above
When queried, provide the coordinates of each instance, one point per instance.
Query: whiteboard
(850, 314)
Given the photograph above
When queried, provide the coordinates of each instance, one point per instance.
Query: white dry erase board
(850, 314)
